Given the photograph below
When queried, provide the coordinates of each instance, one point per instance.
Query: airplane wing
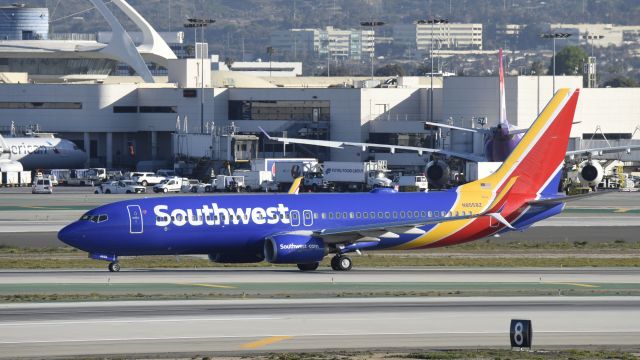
(517, 131)
(364, 146)
(483, 131)
(606, 149)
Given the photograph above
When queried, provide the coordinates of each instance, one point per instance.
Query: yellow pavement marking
(209, 285)
(621, 210)
(572, 284)
(264, 342)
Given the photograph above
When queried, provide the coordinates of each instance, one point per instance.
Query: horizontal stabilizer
(501, 219)
(563, 199)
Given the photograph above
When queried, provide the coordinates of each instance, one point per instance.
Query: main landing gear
(114, 266)
(341, 263)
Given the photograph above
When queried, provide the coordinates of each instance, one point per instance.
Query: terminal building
(122, 121)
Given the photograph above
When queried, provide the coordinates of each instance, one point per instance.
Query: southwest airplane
(303, 229)
(42, 152)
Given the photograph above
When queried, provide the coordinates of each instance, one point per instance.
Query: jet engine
(590, 173)
(438, 173)
(294, 249)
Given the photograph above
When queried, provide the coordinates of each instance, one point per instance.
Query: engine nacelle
(294, 249)
(236, 257)
(438, 173)
(590, 173)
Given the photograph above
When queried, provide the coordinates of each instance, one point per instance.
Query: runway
(196, 327)
(355, 276)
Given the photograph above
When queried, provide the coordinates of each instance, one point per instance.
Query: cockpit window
(95, 218)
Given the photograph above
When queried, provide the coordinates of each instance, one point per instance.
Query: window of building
(297, 110)
(189, 93)
(159, 109)
(41, 105)
(125, 109)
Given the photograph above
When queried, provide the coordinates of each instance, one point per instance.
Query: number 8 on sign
(521, 333)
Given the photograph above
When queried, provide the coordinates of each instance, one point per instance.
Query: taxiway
(70, 329)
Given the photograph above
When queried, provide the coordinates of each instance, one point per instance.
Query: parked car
(193, 185)
(42, 186)
(147, 178)
(120, 187)
(170, 185)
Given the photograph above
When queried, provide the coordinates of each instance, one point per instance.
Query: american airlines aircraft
(303, 229)
(42, 152)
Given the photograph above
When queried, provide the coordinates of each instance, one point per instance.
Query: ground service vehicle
(42, 185)
(173, 184)
(120, 187)
(356, 176)
(412, 183)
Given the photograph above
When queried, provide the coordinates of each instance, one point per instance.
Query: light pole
(372, 24)
(270, 51)
(200, 23)
(592, 37)
(590, 66)
(327, 44)
(554, 36)
(432, 22)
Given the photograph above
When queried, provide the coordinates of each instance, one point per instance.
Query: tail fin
(538, 157)
(503, 107)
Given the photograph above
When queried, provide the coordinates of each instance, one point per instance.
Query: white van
(42, 186)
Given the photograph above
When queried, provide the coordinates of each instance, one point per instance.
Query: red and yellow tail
(537, 159)
(533, 168)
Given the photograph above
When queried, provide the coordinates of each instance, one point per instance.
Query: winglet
(295, 187)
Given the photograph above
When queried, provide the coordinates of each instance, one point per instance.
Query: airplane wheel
(334, 263)
(114, 267)
(308, 267)
(341, 263)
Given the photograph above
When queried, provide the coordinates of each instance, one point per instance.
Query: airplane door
(295, 217)
(135, 219)
(307, 218)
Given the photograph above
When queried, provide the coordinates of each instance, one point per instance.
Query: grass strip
(79, 261)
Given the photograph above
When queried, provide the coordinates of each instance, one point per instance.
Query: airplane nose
(70, 235)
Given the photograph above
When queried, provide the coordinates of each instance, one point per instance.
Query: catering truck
(356, 176)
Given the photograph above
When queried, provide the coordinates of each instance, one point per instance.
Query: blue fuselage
(241, 223)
